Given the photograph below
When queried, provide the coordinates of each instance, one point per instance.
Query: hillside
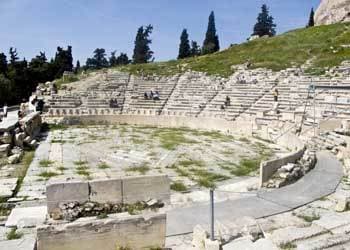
(323, 44)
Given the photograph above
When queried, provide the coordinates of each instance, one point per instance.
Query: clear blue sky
(42, 25)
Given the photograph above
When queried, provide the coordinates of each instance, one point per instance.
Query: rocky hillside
(333, 11)
(316, 48)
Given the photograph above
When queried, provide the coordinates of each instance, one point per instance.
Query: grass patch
(52, 127)
(48, 174)
(246, 166)
(58, 141)
(61, 169)
(187, 163)
(142, 169)
(83, 172)
(178, 186)
(5, 209)
(170, 139)
(309, 218)
(288, 246)
(45, 163)
(13, 234)
(22, 170)
(207, 179)
(80, 163)
(103, 165)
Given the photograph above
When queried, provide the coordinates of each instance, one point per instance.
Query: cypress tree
(77, 67)
(3, 64)
(211, 42)
(311, 18)
(142, 51)
(265, 25)
(184, 49)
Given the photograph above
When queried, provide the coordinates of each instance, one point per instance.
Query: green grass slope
(322, 44)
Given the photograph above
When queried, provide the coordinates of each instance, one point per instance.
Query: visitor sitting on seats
(145, 95)
(156, 96)
(228, 101)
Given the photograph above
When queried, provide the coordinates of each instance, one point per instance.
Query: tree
(142, 51)
(98, 61)
(184, 49)
(3, 64)
(123, 59)
(63, 61)
(40, 70)
(195, 49)
(211, 42)
(6, 93)
(77, 67)
(13, 56)
(113, 59)
(311, 19)
(265, 25)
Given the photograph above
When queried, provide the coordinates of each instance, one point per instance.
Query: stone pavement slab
(26, 217)
(7, 186)
(27, 243)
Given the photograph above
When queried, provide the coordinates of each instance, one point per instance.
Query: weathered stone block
(26, 217)
(106, 191)
(6, 138)
(65, 192)
(4, 150)
(212, 245)
(143, 188)
(199, 236)
(19, 138)
(132, 232)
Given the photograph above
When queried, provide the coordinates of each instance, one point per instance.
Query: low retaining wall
(269, 168)
(125, 190)
(205, 123)
(130, 232)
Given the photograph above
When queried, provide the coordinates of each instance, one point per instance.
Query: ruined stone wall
(131, 232)
(268, 168)
(124, 190)
(17, 134)
(333, 11)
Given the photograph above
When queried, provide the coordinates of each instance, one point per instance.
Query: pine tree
(123, 59)
(184, 49)
(195, 49)
(311, 18)
(142, 51)
(211, 42)
(265, 25)
(13, 56)
(98, 61)
(113, 59)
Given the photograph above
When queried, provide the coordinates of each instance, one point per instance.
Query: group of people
(113, 103)
(226, 103)
(151, 95)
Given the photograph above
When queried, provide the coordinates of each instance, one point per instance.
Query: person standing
(275, 95)
(5, 110)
